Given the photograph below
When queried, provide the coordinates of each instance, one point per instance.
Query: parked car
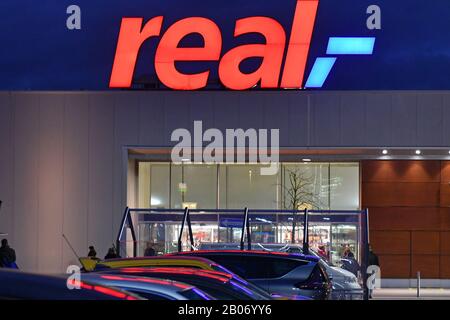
(157, 261)
(18, 285)
(275, 272)
(345, 285)
(219, 285)
(149, 288)
(181, 261)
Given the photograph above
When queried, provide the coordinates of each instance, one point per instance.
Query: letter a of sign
(271, 52)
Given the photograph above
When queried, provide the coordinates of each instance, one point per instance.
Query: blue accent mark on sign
(319, 73)
(350, 45)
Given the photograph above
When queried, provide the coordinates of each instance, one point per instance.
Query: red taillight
(110, 292)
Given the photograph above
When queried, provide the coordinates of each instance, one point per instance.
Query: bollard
(418, 284)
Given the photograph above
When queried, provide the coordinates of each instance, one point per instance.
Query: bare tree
(300, 194)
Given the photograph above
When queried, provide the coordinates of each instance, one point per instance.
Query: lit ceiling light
(185, 160)
(385, 151)
(306, 160)
(418, 152)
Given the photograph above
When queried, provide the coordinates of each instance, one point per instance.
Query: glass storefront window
(246, 187)
(159, 181)
(307, 185)
(344, 181)
(199, 189)
(324, 186)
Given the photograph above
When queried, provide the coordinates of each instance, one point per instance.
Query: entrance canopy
(329, 233)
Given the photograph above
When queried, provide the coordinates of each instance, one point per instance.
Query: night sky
(38, 52)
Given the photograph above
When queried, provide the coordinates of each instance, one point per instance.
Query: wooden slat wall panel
(391, 242)
(444, 215)
(405, 218)
(400, 194)
(425, 242)
(445, 171)
(444, 267)
(401, 171)
(445, 243)
(444, 195)
(395, 266)
(409, 199)
(428, 265)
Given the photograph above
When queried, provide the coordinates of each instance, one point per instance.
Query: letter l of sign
(299, 43)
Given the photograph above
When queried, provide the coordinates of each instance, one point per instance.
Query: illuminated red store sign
(133, 34)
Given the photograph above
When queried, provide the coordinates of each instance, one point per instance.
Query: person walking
(7, 256)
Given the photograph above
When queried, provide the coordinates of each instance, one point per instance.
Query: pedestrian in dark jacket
(349, 262)
(149, 251)
(111, 254)
(373, 261)
(373, 258)
(92, 253)
(7, 255)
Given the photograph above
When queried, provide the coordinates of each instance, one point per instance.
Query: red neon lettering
(168, 53)
(271, 52)
(299, 43)
(130, 40)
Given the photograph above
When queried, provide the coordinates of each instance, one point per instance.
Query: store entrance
(330, 234)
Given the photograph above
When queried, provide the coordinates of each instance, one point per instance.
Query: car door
(282, 273)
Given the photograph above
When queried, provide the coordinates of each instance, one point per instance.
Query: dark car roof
(215, 276)
(29, 286)
(253, 253)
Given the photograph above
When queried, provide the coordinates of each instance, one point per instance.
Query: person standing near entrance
(373, 258)
(373, 261)
(111, 254)
(7, 256)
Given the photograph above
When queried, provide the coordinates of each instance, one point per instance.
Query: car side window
(277, 268)
(257, 267)
(233, 263)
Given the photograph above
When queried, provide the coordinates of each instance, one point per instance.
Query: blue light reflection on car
(241, 287)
